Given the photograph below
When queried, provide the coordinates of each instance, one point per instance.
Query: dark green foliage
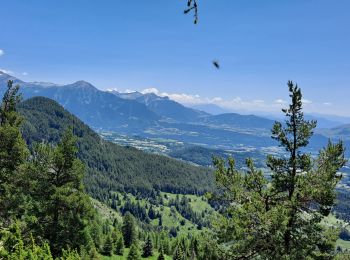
(47, 193)
(95, 232)
(179, 253)
(110, 166)
(209, 252)
(173, 231)
(135, 209)
(281, 218)
(151, 213)
(148, 248)
(107, 246)
(56, 175)
(44, 191)
(14, 248)
(128, 229)
(119, 247)
(13, 153)
(134, 253)
(184, 208)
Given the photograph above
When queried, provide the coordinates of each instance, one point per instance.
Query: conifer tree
(148, 248)
(280, 218)
(13, 154)
(93, 254)
(14, 248)
(119, 247)
(59, 193)
(95, 232)
(178, 253)
(134, 253)
(114, 236)
(108, 246)
(128, 230)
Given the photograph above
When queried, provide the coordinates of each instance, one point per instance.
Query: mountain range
(111, 109)
(95, 107)
(152, 116)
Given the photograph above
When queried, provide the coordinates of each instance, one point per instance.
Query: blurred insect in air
(216, 64)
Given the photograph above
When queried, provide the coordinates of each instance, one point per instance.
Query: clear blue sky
(152, 44)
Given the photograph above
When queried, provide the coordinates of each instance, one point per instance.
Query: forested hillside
(48, 214)
(111, 167)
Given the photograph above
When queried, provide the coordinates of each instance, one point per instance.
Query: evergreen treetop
(280, 218)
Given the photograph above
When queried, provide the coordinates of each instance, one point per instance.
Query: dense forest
(111, 167)
(67, 194)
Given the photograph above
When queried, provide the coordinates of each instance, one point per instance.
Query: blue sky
(152, 45)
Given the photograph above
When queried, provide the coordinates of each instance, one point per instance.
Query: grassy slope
(170, 216)
(333, 221)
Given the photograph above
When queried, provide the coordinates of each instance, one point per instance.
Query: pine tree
(148, 248)
(114, 236)
(93, 254)
(59, 193)
(128, 229)
(152, 213)
(165, 245)
(134, 253)
(13, 154)
(119, 247)
(280, 218)
(108, 246)
(95, 232)
(178, 253)
(14, 248)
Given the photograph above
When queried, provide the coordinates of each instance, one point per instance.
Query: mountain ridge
(149, 115)
(110, 166)
(95, 107)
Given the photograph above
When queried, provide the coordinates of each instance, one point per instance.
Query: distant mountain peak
(82, 82)
(83, 85)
